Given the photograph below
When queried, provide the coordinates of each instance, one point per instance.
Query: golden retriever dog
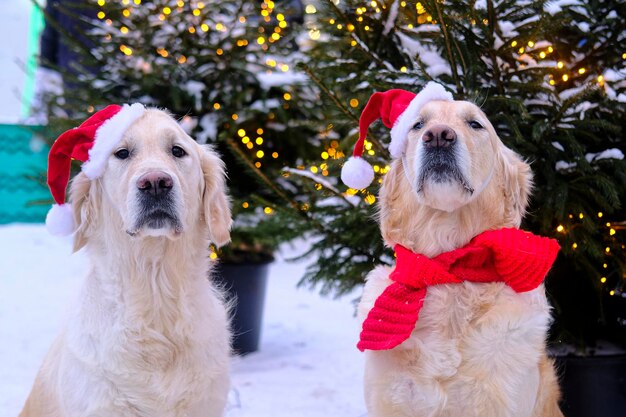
(150, 334)
(478, 349)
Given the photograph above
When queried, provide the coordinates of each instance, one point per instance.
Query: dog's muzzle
(439, 161)
(156, 204)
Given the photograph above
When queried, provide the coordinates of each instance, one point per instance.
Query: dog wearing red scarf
(458, 327)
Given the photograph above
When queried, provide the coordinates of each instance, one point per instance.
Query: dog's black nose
(156, 183)
(439, 136)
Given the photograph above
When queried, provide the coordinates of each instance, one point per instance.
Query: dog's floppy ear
(215, 201)
(395, 198)
(84, 209)
(517, 184)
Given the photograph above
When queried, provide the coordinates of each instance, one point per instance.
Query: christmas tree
(551, 79)
(550, 76)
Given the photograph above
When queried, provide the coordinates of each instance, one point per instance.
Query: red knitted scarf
(517, 258)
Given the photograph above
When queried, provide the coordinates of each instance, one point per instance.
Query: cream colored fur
(477, 350)
(149, 336)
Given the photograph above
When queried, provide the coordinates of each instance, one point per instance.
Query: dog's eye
(178, 152)
(475, 125)
(418, 125)
(122, 154)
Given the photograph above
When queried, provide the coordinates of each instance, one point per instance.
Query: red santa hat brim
(108, 136)
(92, 142)
(400, 130)
(398, 110)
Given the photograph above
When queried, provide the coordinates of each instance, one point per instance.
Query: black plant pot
(245, 286)
(593, 386)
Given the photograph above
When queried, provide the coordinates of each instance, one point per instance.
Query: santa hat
(92, 143)
(398, 110)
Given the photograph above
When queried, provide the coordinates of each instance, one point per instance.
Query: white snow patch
(435, 64)
(280, 79)
(558, 146)
(554, 7)
(391, 18)
(508, 29)
(317, 178)
(195, 89)
(264, 105)
(208, 128)
(307, 365)
(564, 166)
(612, 76)
(613, 153)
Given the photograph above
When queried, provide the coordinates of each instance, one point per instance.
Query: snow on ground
(307, 365)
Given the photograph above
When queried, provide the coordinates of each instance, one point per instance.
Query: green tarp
(24, 196)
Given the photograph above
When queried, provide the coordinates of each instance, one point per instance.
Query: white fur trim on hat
(357, 173)
(108, 136)
(400, 130)
(60, 220)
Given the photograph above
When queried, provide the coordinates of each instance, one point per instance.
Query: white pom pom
(60, 220)
(357, 173)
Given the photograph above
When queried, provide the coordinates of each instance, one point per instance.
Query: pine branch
(340, 106)
(260, 175)
(453, 66)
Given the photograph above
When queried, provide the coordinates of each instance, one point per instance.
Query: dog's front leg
(502, 351)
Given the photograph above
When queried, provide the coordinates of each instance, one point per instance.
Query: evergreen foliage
(551, 79)
(549, 75)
